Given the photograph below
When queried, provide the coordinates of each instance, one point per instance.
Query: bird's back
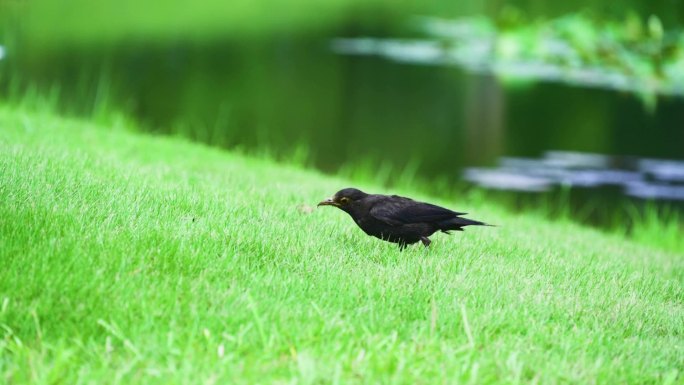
(397, 210)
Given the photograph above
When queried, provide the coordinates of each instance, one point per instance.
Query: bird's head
(344, 199)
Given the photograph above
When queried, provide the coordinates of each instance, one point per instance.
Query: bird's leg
(426, 241)
(402, 246)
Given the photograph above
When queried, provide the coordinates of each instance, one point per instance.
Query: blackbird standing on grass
(397, 219)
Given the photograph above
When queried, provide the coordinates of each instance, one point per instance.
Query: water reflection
(665, 170)
(640, 178)
(477, 56)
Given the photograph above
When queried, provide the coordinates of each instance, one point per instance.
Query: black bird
(397, 219)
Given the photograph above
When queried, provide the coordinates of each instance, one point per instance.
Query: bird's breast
(361, 222)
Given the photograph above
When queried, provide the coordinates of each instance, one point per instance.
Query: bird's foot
(426, 241)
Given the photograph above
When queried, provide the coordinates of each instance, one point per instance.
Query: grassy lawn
(140, 260)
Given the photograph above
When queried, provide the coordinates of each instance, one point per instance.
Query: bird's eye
(344, 200)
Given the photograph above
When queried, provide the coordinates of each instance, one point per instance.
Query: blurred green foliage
(635, 53)
(50, 23)
(636, 45)
(55, 23)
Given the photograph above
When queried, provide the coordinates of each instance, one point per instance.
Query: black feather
(398, 219)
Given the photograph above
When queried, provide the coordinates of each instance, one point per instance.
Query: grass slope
(133, 259)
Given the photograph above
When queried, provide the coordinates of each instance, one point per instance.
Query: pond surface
(439, 120)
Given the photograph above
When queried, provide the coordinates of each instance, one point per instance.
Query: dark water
(282, 95)
(351, 107)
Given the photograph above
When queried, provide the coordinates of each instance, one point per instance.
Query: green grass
(140, 260)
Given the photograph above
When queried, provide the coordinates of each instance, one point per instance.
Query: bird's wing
(399, 210)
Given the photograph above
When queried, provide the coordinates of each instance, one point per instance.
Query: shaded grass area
(135, 259)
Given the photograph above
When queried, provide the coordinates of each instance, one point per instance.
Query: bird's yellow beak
(328, 202)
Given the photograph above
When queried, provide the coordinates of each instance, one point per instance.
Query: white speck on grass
(2, 52)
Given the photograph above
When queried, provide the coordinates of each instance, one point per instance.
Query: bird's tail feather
(458, 224)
